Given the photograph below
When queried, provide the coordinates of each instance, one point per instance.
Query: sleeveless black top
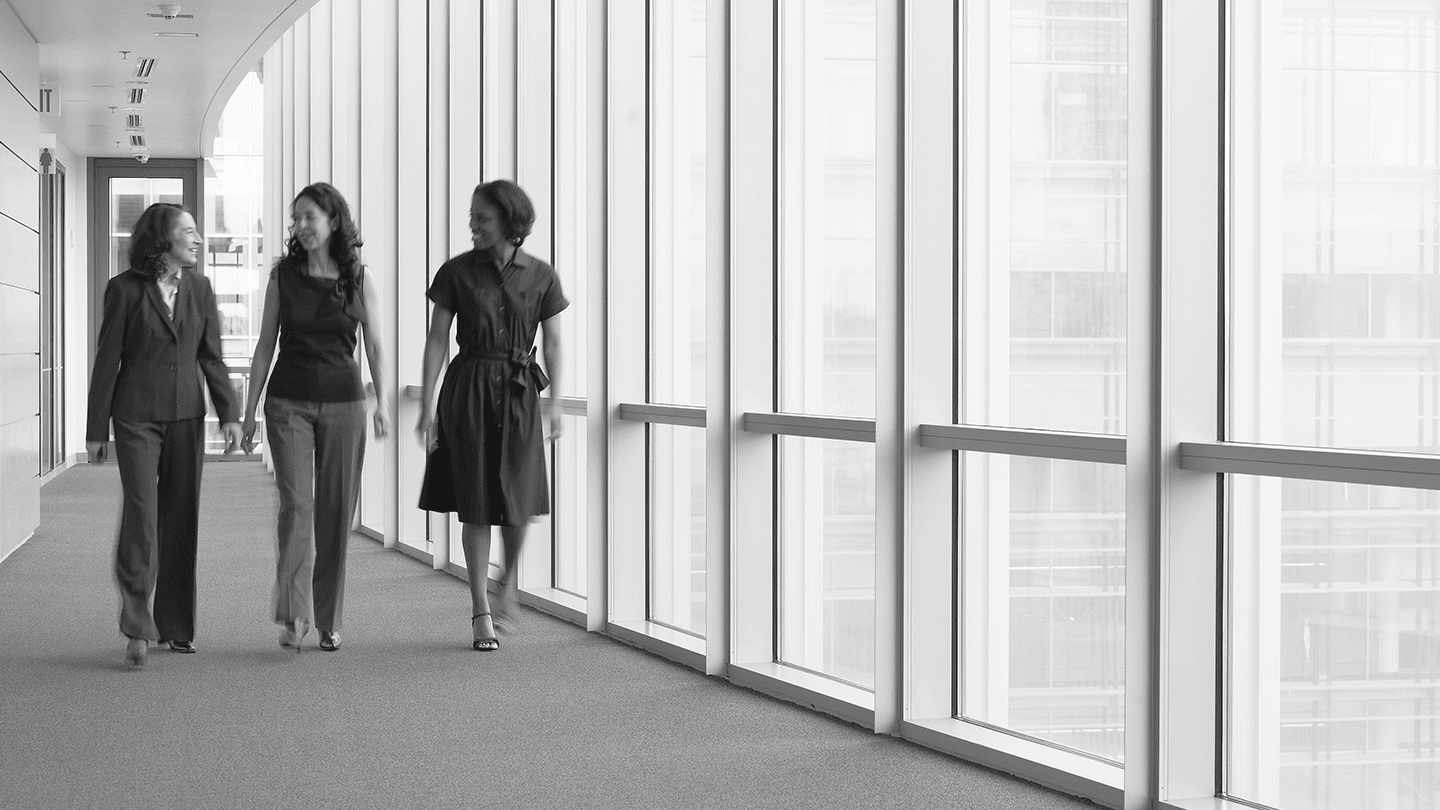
(318, 335)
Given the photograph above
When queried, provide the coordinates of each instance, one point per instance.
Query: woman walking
(318, 295)
(487, 464)
(160, 326)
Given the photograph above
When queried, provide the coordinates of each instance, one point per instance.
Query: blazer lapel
(152, 292)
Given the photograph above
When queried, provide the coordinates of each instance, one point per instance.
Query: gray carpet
(405, 715)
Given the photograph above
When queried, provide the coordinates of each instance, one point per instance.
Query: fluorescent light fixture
(176, 34)
(143, 66)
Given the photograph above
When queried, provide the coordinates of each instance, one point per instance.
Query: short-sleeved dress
(489, 464)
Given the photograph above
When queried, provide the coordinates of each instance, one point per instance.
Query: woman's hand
(382, 422)
(231, 432)
(97, 451)
(552, 414)
(247, 434)
(423, 427)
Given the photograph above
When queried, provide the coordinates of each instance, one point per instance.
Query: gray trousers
(160, 465)
(317, 448)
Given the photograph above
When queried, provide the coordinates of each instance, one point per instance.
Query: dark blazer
(148, 365)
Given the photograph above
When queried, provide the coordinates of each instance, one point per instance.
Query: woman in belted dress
(487, 446)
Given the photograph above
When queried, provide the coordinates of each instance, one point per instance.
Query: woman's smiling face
(310, 225)
(486, 228)
(184, 242)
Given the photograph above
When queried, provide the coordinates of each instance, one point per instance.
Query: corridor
(405, 715)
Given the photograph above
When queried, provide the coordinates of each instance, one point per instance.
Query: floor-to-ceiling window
(676, 284)
(236, 257)
(1041, 346)
(1334, 342)
(825, 334)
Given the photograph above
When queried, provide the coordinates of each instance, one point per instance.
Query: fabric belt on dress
(526, 371)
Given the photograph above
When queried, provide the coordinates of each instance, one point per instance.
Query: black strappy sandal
(483, 644)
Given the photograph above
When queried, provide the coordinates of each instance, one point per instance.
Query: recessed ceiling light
(176, 34)
(103, 86)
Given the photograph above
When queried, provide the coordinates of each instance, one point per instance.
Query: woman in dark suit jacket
(160, 331)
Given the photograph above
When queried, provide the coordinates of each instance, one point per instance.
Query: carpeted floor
(405, 714)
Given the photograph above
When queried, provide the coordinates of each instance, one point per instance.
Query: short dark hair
(516, 212)
(150, 239)
(344, 236)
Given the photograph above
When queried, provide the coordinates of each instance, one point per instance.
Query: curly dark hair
(150, 239)
(513, 204)
(344, 236)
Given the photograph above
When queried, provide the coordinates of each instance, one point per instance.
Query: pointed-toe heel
(291, 633)
(136, 650)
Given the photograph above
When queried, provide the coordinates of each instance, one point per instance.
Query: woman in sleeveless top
(487, 464)
(315, 410)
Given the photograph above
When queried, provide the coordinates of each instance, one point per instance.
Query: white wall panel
(20, 315)
(19, 124)
(20, 184)
(19, 281)
(19, 454)
(20, 380)
(19, 255)
(19, 55)
(19, 515)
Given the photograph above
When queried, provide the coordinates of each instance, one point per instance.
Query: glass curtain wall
(235, 252)
(1042, 345)
(677, 324)
(570, 121)
(1334, 341)
(825, 332)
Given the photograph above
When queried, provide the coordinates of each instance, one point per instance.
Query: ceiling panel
(89, 50)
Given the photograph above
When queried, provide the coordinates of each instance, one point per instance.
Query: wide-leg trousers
(160, 465)
(317, 448)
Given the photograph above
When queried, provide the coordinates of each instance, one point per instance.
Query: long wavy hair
(516, 211)
(344, 236)
(150, 239)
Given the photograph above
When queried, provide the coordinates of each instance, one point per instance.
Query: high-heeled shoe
(291, 633)
(329, 642)
(486, 643)
(135, 651)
